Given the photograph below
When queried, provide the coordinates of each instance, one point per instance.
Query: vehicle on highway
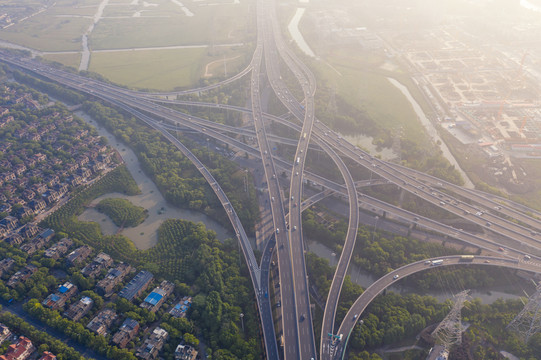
(437, 262)
(396, 277)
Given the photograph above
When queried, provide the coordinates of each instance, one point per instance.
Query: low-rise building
(153, 344)
(6, 265)
(58, 299)
(127, 332)
(5, 208)
(28, 194)
(21, 350)
(137, 285)
(79, 309)
(185, 352)
(157, 297)
(100, 262)
(59, 249)
(101, 322)
(22, 275)
(50, 196)
(61, 189)
(24, 211)
(14, 239)
(78, 255)
(37, 205)
(4, 333)
(9, 222)
(114, 277)
(28, 230)
(48, 356)
(84, 172)
(180, 310)
(39, 188)
(38, 242)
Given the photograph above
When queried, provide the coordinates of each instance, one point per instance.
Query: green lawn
(166, 25)
(48, 33)
(371, 92)
(157, 69)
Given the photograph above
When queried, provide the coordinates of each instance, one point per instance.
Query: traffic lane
(385, 281)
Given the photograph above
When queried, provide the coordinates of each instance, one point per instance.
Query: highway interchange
(510, 221)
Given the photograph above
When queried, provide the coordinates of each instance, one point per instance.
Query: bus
(467, 258)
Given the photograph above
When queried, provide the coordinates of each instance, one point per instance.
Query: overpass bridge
(359, 306)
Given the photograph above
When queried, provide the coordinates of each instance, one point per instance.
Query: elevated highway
(259, 277)
(489, 212)
(359, 306)
(287, 288)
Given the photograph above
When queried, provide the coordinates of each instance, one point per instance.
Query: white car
(396, 277)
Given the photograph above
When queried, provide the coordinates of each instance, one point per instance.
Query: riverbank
(432, 132)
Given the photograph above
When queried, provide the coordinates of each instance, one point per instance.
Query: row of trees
(76, 331)
(122, 212)
(187, 253)
(380, 252)
(58, 91)
(174, 174)
(42, 340)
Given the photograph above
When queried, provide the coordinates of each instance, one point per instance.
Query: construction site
(480, 95)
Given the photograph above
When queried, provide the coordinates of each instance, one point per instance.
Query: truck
(437, 262)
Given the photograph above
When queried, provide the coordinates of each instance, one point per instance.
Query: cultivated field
(156, 28)
(162, 69)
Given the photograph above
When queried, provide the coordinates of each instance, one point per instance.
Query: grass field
(156, 69)
(368, 90)
(129, 24)
(72, 60)
(169, 26)
(161, 69)
(48, 33)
